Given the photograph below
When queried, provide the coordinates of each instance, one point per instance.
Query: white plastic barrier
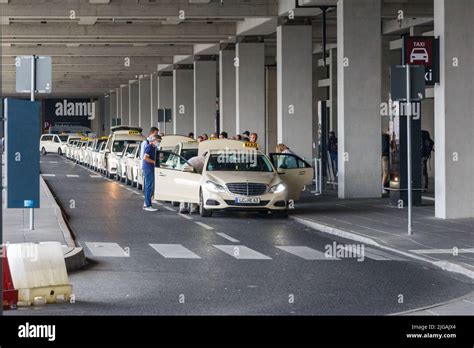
(39, 273)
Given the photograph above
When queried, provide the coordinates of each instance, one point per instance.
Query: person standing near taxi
(148, 167)
(153, 131)
(253, 138)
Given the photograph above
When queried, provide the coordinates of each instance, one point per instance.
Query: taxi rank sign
(423, 50)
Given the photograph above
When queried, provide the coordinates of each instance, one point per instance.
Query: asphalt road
(231, 264)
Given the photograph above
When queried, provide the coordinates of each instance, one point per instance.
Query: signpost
(33, 75)
(408, 85)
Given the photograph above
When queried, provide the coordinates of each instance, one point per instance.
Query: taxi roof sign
(225, 144)
(170, 141)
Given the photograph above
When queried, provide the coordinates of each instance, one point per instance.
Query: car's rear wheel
(203, 211)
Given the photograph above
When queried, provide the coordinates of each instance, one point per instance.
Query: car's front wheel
(43, 151)
(60, 152)
(203, 211)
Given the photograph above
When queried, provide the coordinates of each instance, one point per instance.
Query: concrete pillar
(227, 92)
(183, 101)
(113, 108)
(133, 103)
(295, 94)
(124, 108)
(165, 98)
(271, 124)
(250, 89)
(95, 120)
(359, 43)
(144, 108)
(454, 119)
(154, 100)
(205, 95)
(107, 114)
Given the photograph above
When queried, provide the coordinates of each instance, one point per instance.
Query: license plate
(247, 200)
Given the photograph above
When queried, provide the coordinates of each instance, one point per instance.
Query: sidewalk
(50, 226)
(375, 222)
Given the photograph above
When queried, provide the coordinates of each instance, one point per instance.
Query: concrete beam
(132, 9)
(98, 51)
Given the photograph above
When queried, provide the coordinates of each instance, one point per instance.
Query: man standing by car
(148, 167)
(153, 131)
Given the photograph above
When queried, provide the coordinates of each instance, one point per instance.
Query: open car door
(293, 171)
(175, 179)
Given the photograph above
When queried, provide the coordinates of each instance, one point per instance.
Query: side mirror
(188, 169)
(281, 171)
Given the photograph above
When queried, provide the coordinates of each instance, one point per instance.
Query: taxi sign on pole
(424, 51)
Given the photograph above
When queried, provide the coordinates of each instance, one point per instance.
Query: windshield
(189, 153)
(239, 163)
(99, 144)
(119, 145)
(131, 150)
(72, 141)
(63, 138)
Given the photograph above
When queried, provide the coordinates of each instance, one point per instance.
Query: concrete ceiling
(90, 41)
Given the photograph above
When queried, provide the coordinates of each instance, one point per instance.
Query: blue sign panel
(22, 148)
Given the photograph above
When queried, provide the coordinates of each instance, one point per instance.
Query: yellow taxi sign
(104, 138)
(213, 138)
(84, 139)
(250, 145)
(134, 132)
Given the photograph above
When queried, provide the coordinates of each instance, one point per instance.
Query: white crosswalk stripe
(307, 253)
(207, 227)
(241, 252)
(229, 238)
(95, 176)
(48, 175)
(72, 176)
(106, 249)
(174, 251)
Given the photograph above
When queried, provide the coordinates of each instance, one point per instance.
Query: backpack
(427, 144)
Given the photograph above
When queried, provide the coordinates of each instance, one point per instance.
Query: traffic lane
(268, 280)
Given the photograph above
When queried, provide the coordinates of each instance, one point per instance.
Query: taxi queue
(232, 175)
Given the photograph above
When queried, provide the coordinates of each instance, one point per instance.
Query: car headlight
(213, 187)
(277, 188)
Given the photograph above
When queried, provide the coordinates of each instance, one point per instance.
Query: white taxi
(235, 176)
(94, 156)
(70, 144)
(53, 143)
(129, 152)
(121, 136)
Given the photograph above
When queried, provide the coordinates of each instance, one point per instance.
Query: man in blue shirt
(153, 131)
(148, 167)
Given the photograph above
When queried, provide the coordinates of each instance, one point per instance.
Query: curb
(444, 265)
(73, 253)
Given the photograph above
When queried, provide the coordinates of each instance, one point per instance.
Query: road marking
(48, 175)
(72, 176)
(207, 227)
(241, 252)
(95, 176)
(443, 251)
(106, 249)
(53, 162)
(129, 189)
(429, 198)
(187, 217)
(306, 253)
(229, 238)
(137, 193)
(170, 209)
(370, 252)
(174, 251)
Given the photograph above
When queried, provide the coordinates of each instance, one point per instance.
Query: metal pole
(33, 87)
(409, 169)
(321, 176)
